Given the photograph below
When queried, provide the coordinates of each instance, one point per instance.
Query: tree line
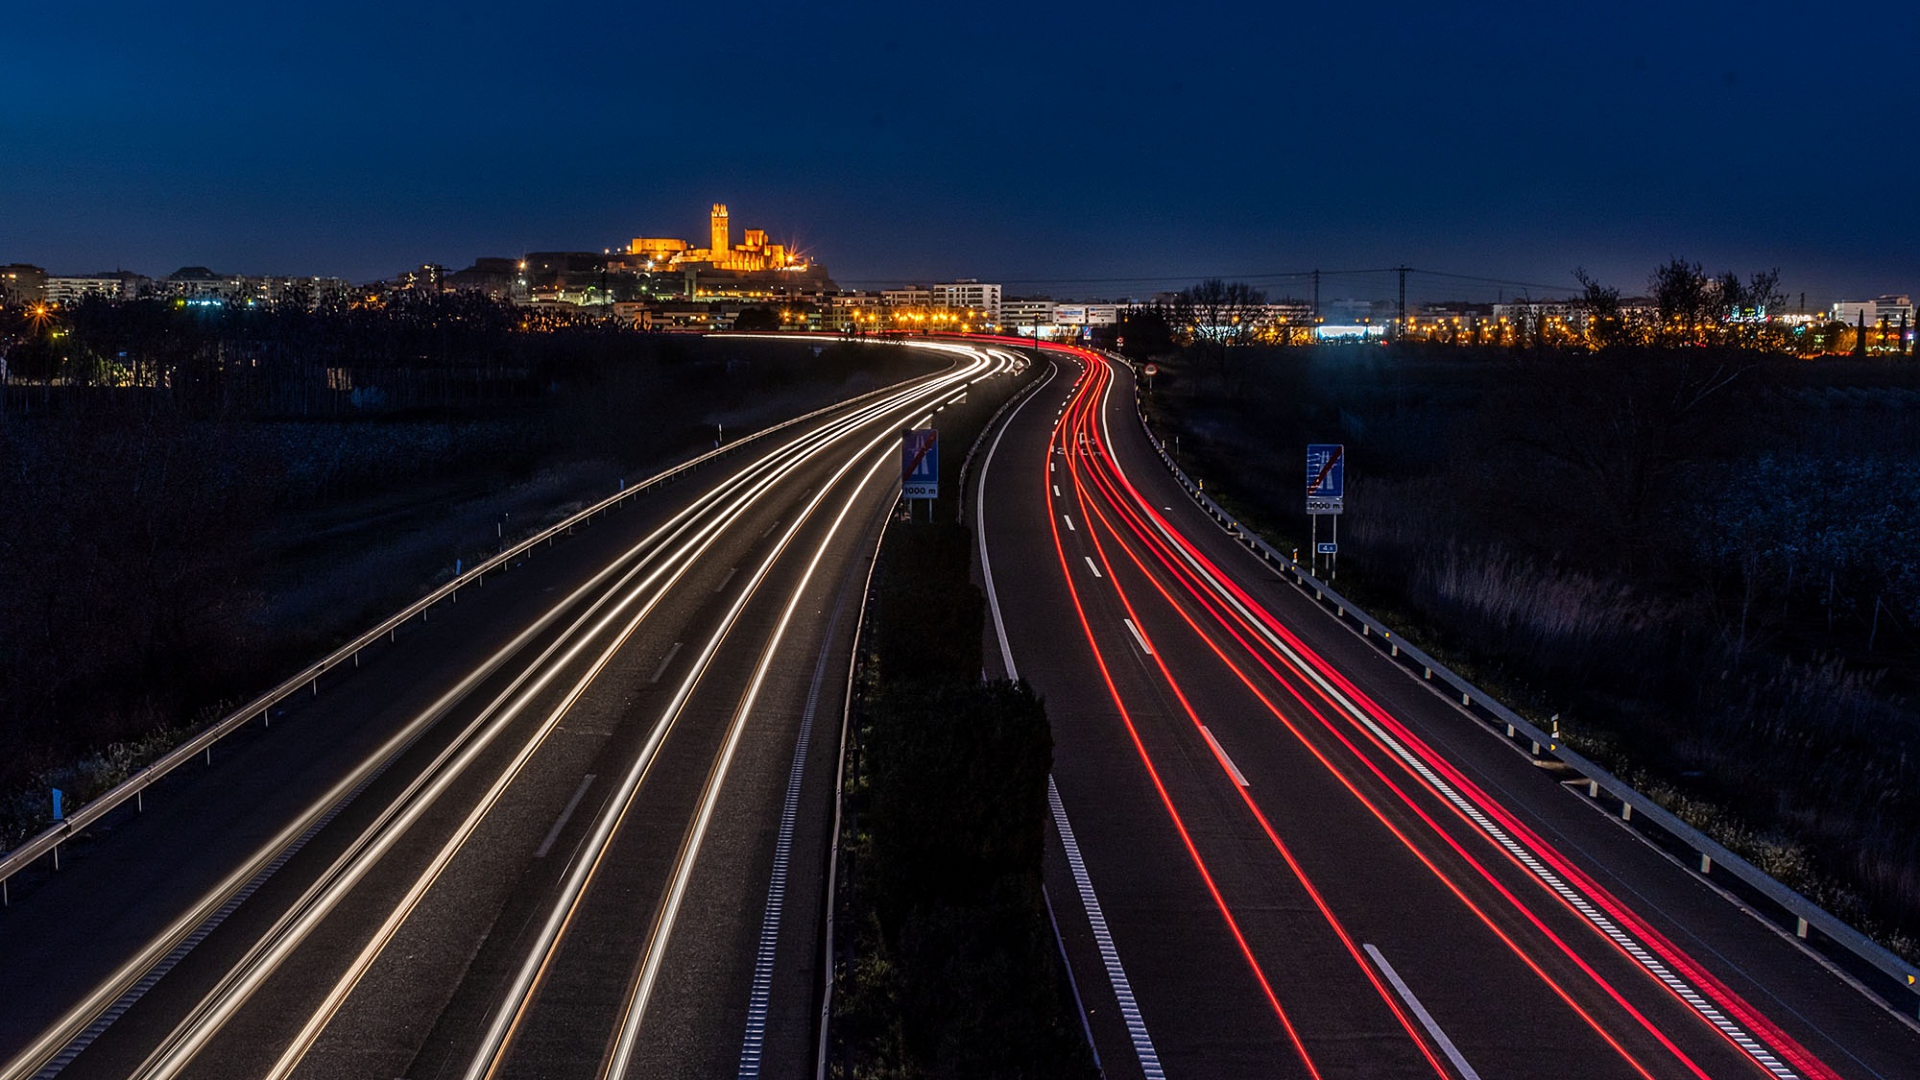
(407, 350)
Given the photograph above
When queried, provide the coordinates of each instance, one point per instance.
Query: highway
(574, 826)
(1278, 853)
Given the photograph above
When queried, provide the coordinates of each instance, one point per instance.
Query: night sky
(1078, 149)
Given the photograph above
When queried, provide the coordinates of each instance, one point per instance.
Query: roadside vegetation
(949, 963)
(952, 966)
(194, 501)
(1700, 558)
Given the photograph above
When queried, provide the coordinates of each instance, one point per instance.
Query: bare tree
(1606, 322)
(1684, 298)
(1216, 316)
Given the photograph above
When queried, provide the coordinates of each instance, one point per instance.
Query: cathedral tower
(721, 244)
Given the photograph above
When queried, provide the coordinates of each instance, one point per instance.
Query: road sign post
(920, 465)
(1326, 496)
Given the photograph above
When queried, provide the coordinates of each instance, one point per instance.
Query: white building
(968, 294)
(1528, 316)
(65, 290)
(1890, 309)
(1026, 312)
(913, 296)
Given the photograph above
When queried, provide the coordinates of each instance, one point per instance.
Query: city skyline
(1114, 144)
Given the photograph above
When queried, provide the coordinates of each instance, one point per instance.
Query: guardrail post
(1593, 789)
(209, 755)
(356, 659)
(1465, 700)
(1706, 863)
(1511, 732)
(266, 717)
(1626, 811)
(56, 867)
(316, 686)
(1429, 674)
(1536, 749)
(1800, 927)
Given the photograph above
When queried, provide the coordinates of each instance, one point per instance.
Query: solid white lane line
(1090, 566)
(1426, 1018)
(565, 815)
(1103, 940)
(980, 527)
(723, 581)
(1221, 753)
(1138, 636)
(664, 661)
(1069, 520)
(1109, 955)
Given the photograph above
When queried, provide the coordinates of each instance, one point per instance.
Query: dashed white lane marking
(1103, 940)
(1090, 566)
(1426, 1018)
(1069, 520)
(1137, 636)
(561, 822)
(664, 661)
(1221, 753)
(1056, 491)
(732, 570)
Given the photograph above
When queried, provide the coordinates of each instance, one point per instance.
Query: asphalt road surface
(575, 825)
(1278, 853)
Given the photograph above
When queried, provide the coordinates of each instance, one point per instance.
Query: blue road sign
(1327, 547)
(920, 464)
(1326, 478)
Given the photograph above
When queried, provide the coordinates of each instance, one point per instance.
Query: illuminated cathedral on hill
(753, 255)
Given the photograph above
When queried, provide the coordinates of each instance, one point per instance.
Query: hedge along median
(951, 969)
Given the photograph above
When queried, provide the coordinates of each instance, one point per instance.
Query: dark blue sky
(1018, 142)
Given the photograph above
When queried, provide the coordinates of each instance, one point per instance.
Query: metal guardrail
(48, 841)
(1714, 858)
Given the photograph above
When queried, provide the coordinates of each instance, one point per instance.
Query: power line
(1262, 276)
